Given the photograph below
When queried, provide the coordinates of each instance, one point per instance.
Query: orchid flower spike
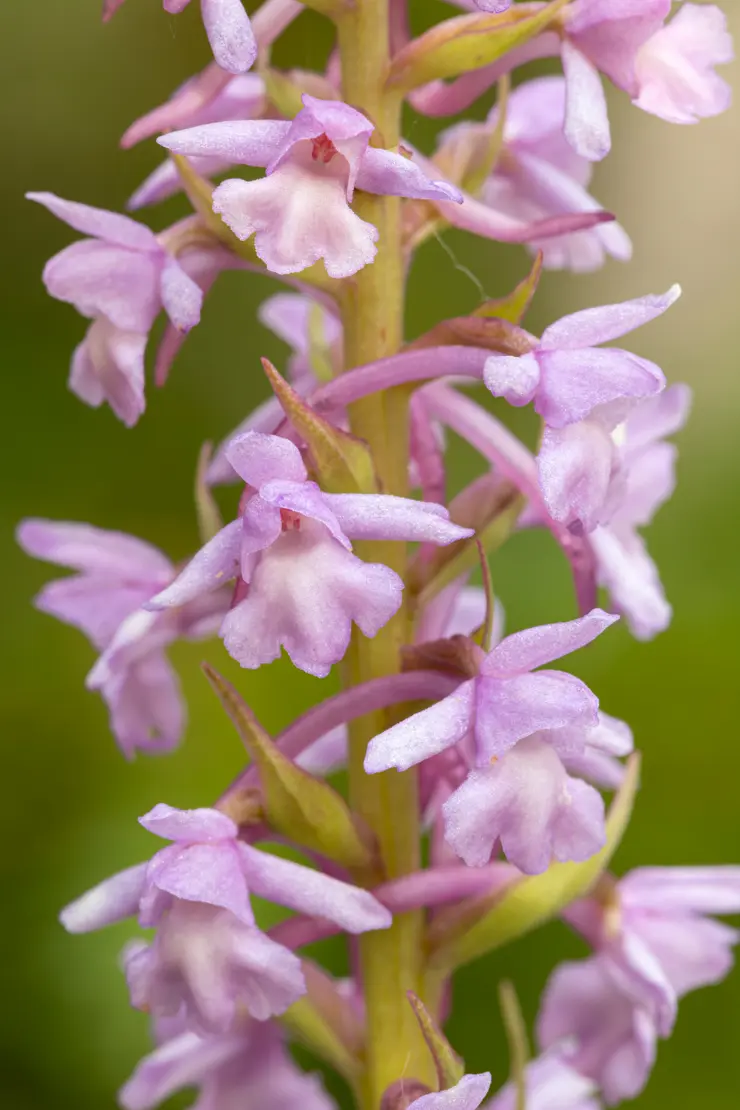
(208, 955)
(292, 549)
(300, 211)
(227, 26)
(117, 575)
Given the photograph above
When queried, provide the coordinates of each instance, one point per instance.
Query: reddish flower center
(323, 149)
(291, 521)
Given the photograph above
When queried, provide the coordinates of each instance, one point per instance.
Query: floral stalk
(372, 319)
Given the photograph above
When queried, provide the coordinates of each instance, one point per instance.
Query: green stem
(373, 324)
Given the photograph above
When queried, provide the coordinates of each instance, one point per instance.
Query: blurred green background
(69, 88)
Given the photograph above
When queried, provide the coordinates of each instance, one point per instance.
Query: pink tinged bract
(529, 802)
(468, 1094)
(604, 1033)
(674, 68)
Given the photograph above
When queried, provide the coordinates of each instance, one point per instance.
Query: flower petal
(600, 325)
(165, 181)
(146, 706)
(249, 142)
(91, 603)
(211, 567)
(693, 890)
(259, 458)
(528, 801)
(586, 117)
(468, 1094)
(304, 595)
(510, 709)
(306, 499)
(297, 218)
(389, 174)
(188, 825)
(692, 952)
(208, 873)
(109, 366)
(93, 550)
(612, 1041)
(108, 226)
(312, 892)
(514, 379)
(424, 734)
(674, 69)
(265, 418)
(626, 570)
(575, 466)
(182, 298)
(657, 417)
(184, 1061)
(551, 1084)
(574, 382)
(103, 279)
(373, 516)
(230, 34)
(112, 900)
(523, 651)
